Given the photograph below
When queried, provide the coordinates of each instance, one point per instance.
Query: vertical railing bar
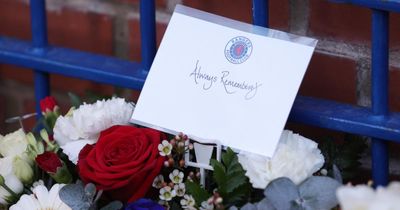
(147, 32)
(380, 74)
(39, 41)
(260, 13)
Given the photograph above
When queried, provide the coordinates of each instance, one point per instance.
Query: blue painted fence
(376, 122)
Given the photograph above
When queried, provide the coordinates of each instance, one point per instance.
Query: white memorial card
(216, 78)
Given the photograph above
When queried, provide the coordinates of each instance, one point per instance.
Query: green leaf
(199, 194)
(74, 99)
(219, 172)
(231, 180)
(236, 180)
(238, 196)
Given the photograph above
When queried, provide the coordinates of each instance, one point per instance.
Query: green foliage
(233, 185)
(74, 99)
(231, 182)
(199, 193)
(346, 156)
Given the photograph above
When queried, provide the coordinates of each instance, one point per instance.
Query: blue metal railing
(376, 122)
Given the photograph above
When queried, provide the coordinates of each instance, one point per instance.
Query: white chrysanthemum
(158, 181)
(363, 197)
(13, 144)
(10, 180)
(180, 189)
(83, 127)
(176, 176)
(42, 199)
(166, 193)
(296, 158)
(188, 202)
(165, 148)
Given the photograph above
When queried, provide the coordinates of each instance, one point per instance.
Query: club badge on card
(216, 78)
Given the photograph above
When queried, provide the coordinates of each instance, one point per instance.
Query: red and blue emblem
(238, 50)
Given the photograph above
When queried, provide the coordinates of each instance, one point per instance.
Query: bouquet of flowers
(93, 158)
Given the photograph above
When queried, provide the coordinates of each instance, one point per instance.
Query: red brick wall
(339, 69)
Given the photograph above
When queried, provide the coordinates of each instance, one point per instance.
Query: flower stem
(9, 190)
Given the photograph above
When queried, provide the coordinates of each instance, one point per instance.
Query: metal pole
(147, 32)
(380, 74)
(260, 13)
(39, 41)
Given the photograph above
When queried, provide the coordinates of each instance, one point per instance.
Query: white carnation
(83, 127)
(295, 157)
(363, 197)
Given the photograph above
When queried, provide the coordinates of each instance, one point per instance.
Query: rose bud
(22, 170)
(50, 110)
(182, 163)
(51, 163)
(48, 104)
(171, 161)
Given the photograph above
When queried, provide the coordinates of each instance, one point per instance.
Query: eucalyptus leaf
(336, 174)
(74, 196)
(90, 191)
(115, 205)
(265, 204)
(319, 192)
(282, 193)
(249, 206)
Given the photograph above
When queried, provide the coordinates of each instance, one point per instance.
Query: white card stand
(203, 151)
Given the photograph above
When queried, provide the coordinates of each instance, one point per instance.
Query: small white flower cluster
(175, 188)
(165, 148)
(178, 147)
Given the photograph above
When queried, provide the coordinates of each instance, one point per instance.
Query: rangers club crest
(238, 50)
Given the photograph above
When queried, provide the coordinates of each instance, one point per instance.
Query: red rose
(48, 162)
(47, 104)
(123, 163)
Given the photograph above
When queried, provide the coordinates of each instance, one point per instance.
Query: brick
(346, 22)
(85, 31)
(394, 91)
(331, 77)
(14, 19)
(29, 107)
(242, 10)
(134, 38)
(159, 3)
(16, 73)
(67, 28)
(57, 82)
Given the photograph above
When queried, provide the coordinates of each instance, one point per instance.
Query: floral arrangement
(92, 158)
